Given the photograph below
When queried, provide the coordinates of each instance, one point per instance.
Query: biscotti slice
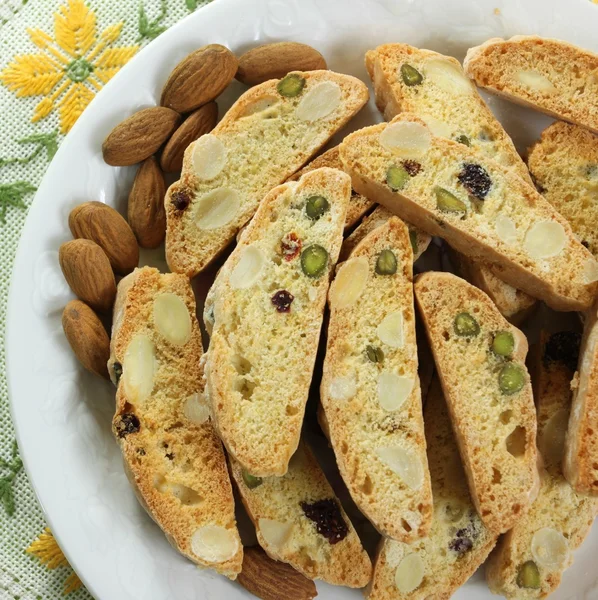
(434, 87)
(270, 132)
(370, 389)
(172, 455)
(480, 361)
(477, 206)
(435, 566)
(299, 520)
(581, 446)
(549, 75)
(358, 205)
(564, 163)
(268, 307)
(380, 215)
(512, 303)
(530, 559)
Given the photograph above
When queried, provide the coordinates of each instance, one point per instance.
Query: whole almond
(274, 61)
(87, 270)
(203, 120)
(199, 78)
(272, 580)
(87, 337)
(106, 227)
(139, 136)
(145, 212)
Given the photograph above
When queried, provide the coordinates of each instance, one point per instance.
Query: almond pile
(106, 245)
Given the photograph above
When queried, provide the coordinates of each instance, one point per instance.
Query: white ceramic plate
(61, 413)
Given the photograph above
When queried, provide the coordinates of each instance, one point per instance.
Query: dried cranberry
(283, 300)
(585, 244)
(476, 180)
(170, 455)
(180, 200)
(290, 246)
(412, 167)
(328, 518)
(464, 538)
(563, 347)
(129, 423)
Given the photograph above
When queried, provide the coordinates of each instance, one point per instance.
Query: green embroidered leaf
(191, 4)
(43, 141)
(11, 195)
(6, 492)
(7, 497)
(151, 29)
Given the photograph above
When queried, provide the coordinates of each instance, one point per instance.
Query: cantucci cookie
(435, 566)
(172, 455)
(419, 240)
(512, 303)
(564, 163)
(268, 307)
(581, 446)
(549, 75)
(435, 88)
(530, 559)
(272, 130)
(480, 361)
(299, 520)
(358, 205)
(481, 209)
(370, 389)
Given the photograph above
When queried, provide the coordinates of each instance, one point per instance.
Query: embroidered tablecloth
(55, 55)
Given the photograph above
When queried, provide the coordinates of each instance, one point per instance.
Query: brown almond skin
(139, 136)
(106, 227)
(87, 270)
(199, 78)
(274, 61)
(87, 337)
(198, 123)
(145, 211)
(272, 580)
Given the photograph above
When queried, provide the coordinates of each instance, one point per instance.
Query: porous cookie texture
(358, 205)
(547, 74)
(564, 163)
(172, 455)
(299, 521)
(478, 207)
(458, 543)
(270, 132)
(581, 446)
(530, 559)
(269, 300)
(370, 388)
(480, 361)
(379, 216)
(435, 88)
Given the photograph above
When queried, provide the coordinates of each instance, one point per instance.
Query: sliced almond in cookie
(214, 543)
(139, 368)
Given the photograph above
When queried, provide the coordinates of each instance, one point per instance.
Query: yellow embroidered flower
(71, 68)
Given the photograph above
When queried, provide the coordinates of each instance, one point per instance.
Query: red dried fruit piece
(180, 200)
(129, 423)
(327, 516)
(290, 246)
(475, 180)
(412, 167)
(283, 300)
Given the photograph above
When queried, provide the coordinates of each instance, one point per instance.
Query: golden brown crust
(566, 93)
(177, 466)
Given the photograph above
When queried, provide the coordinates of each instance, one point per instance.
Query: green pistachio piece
(386, 264)
(503, 343)
(250, 481)
(314, 260)
(396, 178)
(411, 76)
(511, 379)
(448, 202)
(463, 139)
(413, 240)
(528, 576)
(291, 85)
(316, 206)
(374, 354)
(465, 325)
